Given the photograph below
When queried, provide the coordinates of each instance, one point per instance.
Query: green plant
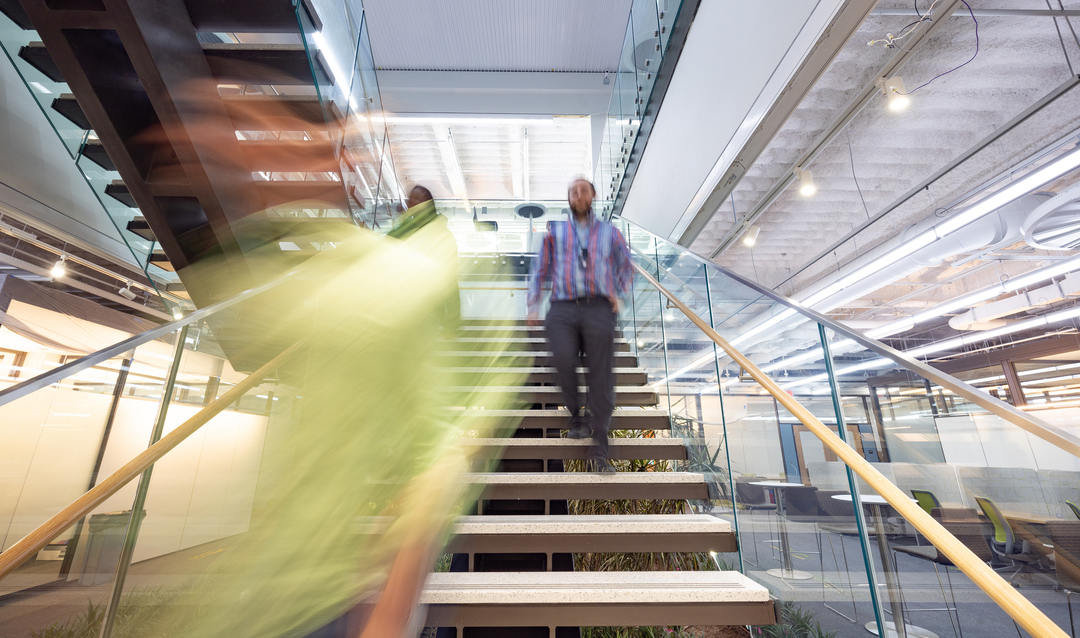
(141, 614)
(636, 632)
(795, 622)
(86, 626)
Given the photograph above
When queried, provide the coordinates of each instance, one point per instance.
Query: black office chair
(1065, 536)
(964, 524)
(837, 517)
(752, 498)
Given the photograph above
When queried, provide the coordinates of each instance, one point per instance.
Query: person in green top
(419, 215)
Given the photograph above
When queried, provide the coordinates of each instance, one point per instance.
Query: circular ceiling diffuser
(1055, 225)
(530, 211)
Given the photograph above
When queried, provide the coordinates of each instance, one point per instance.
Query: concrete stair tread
(621, 418)
(613, 524)
(517, 328)
(561, 412)
(557, 448)
(508, 340)
(536, 369)
(585, 478)
(526, 443)
(539, 389)
(511, 354)
(591, 587)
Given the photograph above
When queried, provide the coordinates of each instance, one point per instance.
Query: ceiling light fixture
(982, 208)
(949, 344)
(895, 94)
(126, 293)
(177, 313)
(751, 236)
(59, 269)
(807, 187)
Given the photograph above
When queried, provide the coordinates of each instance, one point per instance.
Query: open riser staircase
(513, 567)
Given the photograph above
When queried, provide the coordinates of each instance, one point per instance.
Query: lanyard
(583, 251)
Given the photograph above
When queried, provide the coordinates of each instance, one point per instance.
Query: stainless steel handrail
(46, 379)
(1045, 431)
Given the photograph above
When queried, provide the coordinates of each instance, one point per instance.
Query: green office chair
(1075, 508)
(1017, 553)
(926, 500)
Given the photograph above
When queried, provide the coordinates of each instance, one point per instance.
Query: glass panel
(59, 442)
(797, 528)
(204, 493)
(352, 106)
(14, 39)
(961, 463)
(64, 115)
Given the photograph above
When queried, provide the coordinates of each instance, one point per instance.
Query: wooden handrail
(1001, 592)
(65, 518)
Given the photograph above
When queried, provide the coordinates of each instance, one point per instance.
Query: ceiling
(498, 159)
(1020, 60)
(497, 35)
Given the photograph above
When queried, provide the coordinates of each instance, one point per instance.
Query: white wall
(201, 491)
(737, 60)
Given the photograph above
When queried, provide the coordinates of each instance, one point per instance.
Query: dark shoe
(579, 429)
(603, 466)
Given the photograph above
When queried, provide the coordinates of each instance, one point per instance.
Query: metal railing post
(853, 487)
(135, 520)
(723, 425)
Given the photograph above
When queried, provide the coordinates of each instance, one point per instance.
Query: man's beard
(588, 208)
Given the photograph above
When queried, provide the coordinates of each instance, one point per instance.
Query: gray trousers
(585, 326)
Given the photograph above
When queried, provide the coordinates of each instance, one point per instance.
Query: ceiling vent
(1055, 225)
(530, 211)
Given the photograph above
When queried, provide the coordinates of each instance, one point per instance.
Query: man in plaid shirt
(589, 264)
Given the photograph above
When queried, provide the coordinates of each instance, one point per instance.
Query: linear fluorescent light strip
(1012, 285)
(697, 363)
(984, 207)
(1063, 315)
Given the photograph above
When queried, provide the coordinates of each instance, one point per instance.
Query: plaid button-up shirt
(607, 270)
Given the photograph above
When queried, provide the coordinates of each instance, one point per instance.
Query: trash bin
(104, 542)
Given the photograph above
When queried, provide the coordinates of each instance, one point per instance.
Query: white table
(904, 630)
(788, 572)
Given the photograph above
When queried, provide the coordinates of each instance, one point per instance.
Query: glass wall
(648, 32)
(999, 488)
(64, 439)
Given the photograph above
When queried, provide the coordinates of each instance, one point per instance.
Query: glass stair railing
(781, 461)
(43, 82)
(352, 105)
(764, 404)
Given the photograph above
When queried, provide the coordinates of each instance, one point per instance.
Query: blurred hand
(615, 305)
(533, 320)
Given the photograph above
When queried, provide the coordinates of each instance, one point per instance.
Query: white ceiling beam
(834, 128)
(453, 165)
(730, 168)
(989, 13)
(525, 163)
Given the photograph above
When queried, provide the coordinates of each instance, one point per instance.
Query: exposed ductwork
(990, 315)
(1055, 225)
(995, 228)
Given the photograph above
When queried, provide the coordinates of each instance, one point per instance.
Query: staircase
(229, 154)
(513, 571)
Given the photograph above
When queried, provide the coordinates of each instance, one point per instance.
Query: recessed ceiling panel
(497, 35)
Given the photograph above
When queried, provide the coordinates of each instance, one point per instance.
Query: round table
(788, 572)
(892, 582)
